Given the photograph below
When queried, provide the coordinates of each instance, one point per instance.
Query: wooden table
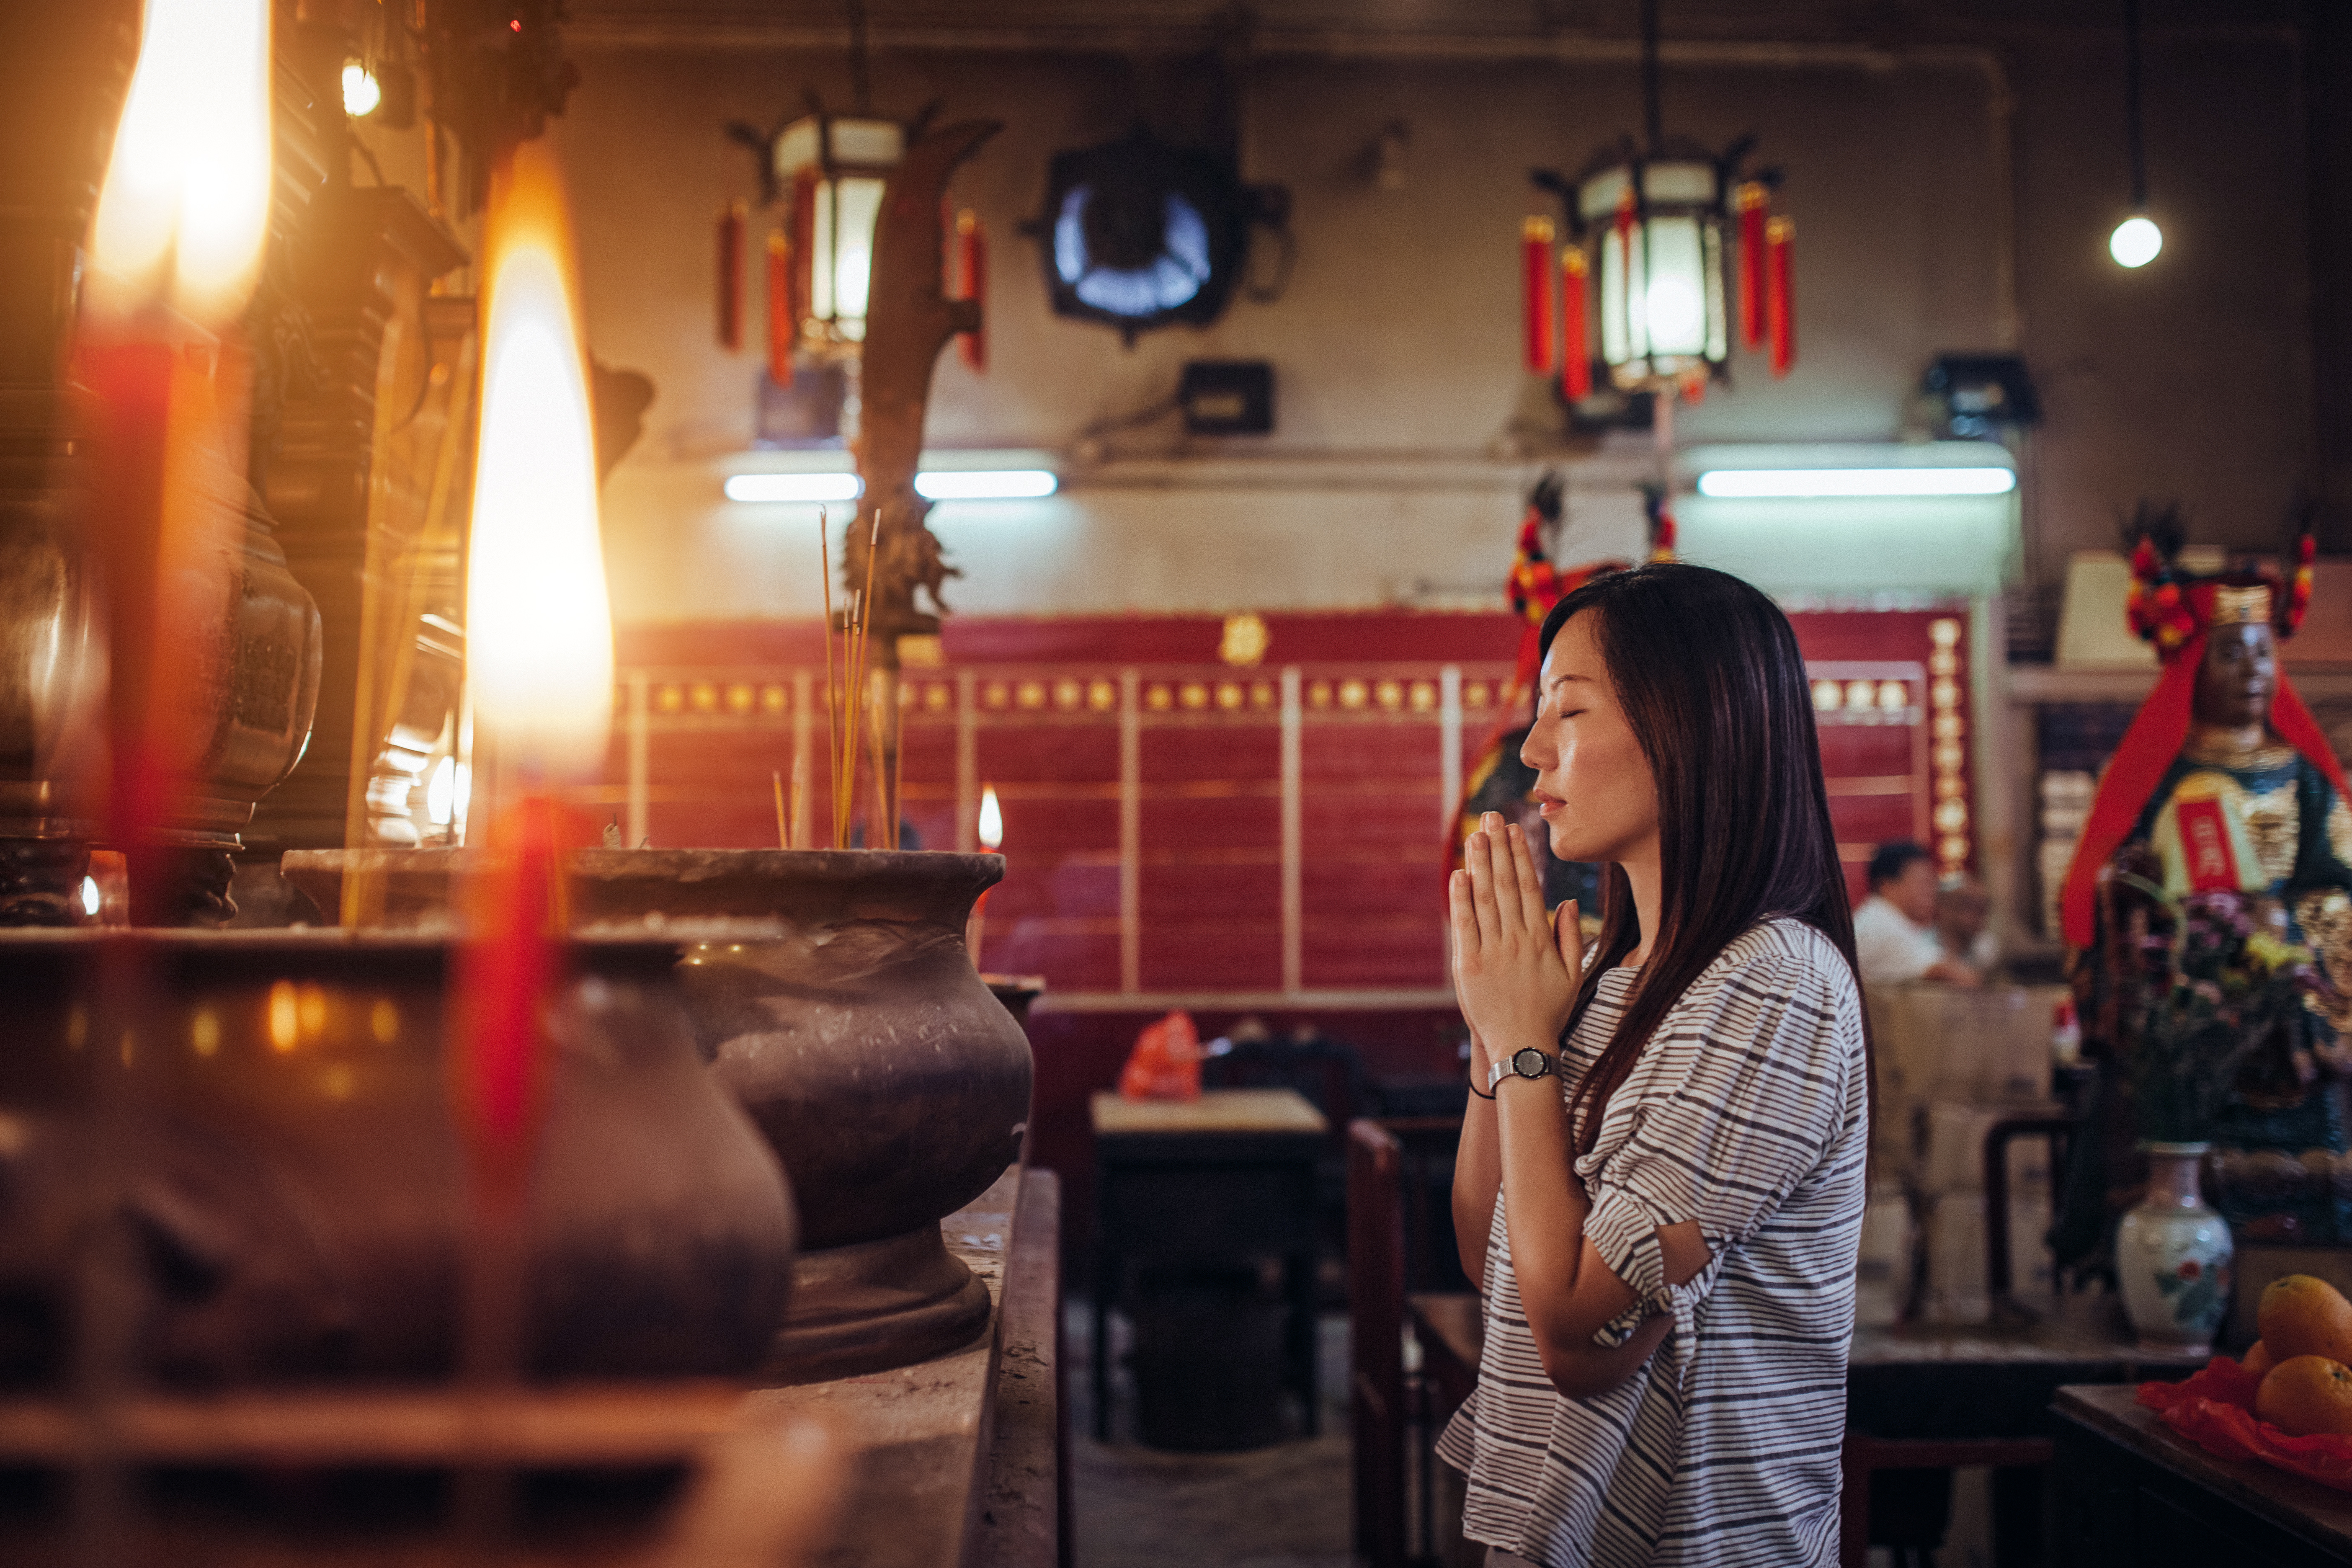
(1932, 1396)
(2132, 1494)
(1227, 1178)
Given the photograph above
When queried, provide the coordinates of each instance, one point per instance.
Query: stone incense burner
(844, 1013)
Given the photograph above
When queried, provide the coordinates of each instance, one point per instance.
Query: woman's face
(1591, 780)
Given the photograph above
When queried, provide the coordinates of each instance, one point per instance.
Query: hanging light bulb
(2136, 242)
(362, 94)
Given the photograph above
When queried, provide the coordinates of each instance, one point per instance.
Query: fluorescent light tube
(985, 484)
(793, 486)
(1800, 484)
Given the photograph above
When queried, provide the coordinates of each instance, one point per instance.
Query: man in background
(1895, 935)
(1963, 922)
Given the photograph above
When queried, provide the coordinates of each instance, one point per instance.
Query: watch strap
(1498, 1071)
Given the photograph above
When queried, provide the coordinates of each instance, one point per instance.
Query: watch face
(1530, 1063)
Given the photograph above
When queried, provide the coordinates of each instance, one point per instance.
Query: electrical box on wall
(1227, 397)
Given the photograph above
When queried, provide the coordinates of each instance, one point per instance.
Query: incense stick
(831, 705)
(792, 819)
(858, 657)
(784, 826)
(898, 768)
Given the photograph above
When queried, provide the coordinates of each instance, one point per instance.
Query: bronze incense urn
(844, 1013)
(287, 1199)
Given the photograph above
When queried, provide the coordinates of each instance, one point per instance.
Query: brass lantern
(1656, 226)
(836, 167)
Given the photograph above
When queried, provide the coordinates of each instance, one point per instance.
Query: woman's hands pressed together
(1515, 975)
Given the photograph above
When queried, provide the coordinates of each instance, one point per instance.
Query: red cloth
(2215, 1410)
(2149, 750)
(1165, 1063)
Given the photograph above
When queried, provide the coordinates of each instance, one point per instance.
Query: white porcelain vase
(2172, 1256)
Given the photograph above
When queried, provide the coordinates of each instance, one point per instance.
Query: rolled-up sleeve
(1736, 1099)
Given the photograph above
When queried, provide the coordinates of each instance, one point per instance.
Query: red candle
(1535, 258)
(503, 979)
(540, 659)
(174, 245)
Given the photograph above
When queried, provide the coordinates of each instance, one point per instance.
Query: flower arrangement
(2229, 982)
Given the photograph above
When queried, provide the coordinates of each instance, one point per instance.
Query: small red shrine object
(1535, 255)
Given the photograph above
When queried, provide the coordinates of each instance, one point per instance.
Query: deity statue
(2224, 784)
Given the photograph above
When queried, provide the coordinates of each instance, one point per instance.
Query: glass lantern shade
(1657, 227)
(837, 170)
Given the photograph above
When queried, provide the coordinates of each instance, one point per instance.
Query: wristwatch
(1528, 1063)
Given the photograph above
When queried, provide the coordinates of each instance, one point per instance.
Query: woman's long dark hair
(1707, 672)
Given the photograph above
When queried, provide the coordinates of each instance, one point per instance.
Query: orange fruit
(2308, 1394)
(2301, 1316)
(2258, 1360)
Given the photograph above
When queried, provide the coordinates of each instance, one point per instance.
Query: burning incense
(854, 658)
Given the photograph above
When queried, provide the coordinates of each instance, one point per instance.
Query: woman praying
(1661, 1178)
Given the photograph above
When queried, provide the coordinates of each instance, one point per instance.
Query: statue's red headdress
(2178, 613)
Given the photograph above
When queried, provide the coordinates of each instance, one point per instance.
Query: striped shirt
(1748, 1113)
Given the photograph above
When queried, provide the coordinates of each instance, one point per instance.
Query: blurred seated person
(1894, 932)
(1963, 922)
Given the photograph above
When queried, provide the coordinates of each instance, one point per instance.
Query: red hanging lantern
(1755, 205)
(1535, 253)
(971, 246)
(731, 277)
(1575, 356)
(784, 321)
(1781, 304)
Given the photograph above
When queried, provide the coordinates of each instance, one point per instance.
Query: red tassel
(1535, 255)
(731, 277)
(1575, 355)
(972, 244)
(1779, 293)
(783, 325)
(1754, 207)
(803, 233)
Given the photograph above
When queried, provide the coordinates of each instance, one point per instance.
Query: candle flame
(181, 216)
(539, 625)
(992, 820)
